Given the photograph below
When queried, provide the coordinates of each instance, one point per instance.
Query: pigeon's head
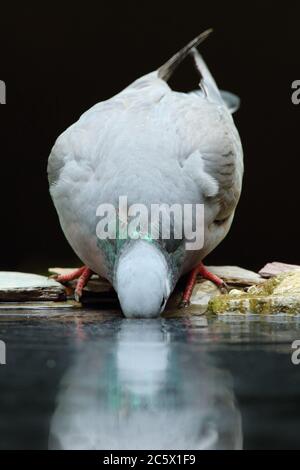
(142, 280)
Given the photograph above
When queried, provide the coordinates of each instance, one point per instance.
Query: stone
(203, 291)
(43, 305)
(279, 294)
(272, 269)
(20, 287)
(96, 284)
(234, 275)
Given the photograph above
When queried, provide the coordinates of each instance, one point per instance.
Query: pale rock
(235, 275)
(274, 268)
(18, 287)
(280, 294)
(96, 284)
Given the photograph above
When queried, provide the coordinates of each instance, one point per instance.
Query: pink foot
(83, 275)
(200, 269)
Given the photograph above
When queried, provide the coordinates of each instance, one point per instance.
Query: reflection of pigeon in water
(154, 146)
(141, 390)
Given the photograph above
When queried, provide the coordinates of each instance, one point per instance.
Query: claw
(83, 275)
(77, 296)
(201, 269)
(184, 303)
(224, 288)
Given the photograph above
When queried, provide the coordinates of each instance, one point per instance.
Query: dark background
(57, 61)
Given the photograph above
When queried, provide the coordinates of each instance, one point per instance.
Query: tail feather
(207, 83)
(166, 70)
(210, 88)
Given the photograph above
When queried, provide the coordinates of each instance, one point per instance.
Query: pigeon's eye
(221, 221)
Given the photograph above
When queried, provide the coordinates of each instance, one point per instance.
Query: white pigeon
(153, 145)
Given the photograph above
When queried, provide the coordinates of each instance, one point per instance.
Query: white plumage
(154, 145)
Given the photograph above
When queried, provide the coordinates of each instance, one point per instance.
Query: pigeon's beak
(141, 281)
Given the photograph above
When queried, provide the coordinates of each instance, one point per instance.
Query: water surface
(98, 381)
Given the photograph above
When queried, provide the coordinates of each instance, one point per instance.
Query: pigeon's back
(154, 146)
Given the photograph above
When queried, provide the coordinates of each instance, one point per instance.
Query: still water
(98, 381)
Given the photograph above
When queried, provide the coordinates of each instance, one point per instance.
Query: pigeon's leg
(189, 287)
(212, 277)
(70, 276)
(82, 281)
(82, 274)
(200, 269)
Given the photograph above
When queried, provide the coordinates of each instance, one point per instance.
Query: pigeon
(154, 146)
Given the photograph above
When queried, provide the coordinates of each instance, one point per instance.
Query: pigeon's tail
(210, 88)
(207, 83)
(166, 70)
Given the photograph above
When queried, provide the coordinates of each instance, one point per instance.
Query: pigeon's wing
(214, 158)
(224, 163)
(74, 147)
(220, 151)
(213, 152)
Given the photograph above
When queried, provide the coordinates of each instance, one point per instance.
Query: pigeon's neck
(113, 248)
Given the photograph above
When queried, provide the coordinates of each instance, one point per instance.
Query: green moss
(262, 299)
(267, 287)
(252, 303)
(220, 304)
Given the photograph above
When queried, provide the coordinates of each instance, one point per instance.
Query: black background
(57, 61)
